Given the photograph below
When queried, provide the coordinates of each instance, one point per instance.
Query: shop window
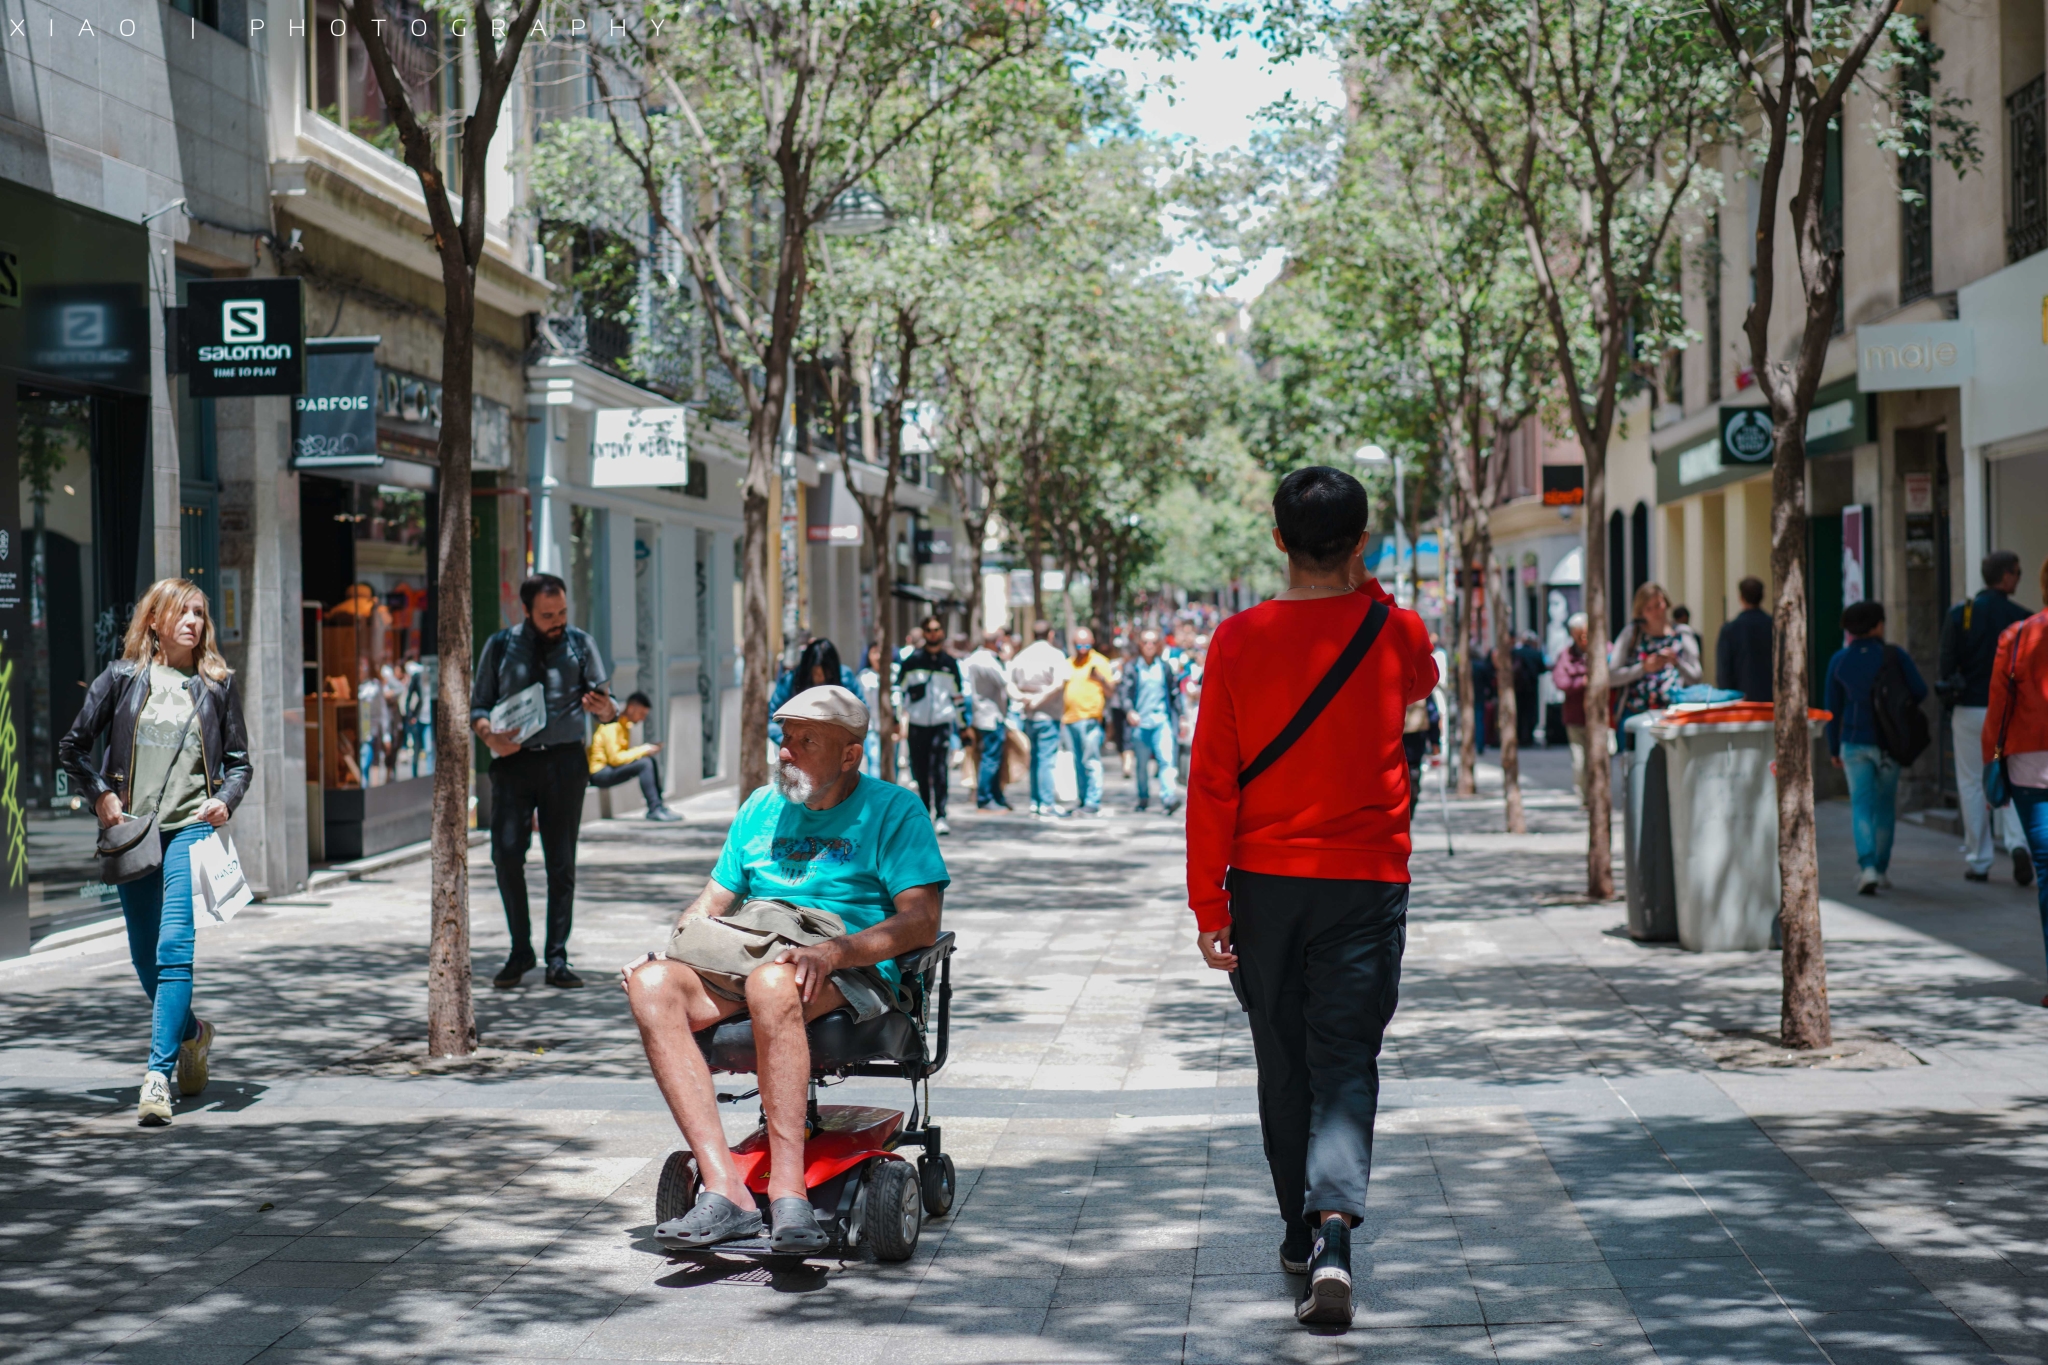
(365, 560)
(589, 605)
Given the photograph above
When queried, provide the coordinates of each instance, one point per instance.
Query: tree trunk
(1593, 596)
(764, 433)
(1466, 629)
(1510, 709)
(1803, 1010)
(451, 1009)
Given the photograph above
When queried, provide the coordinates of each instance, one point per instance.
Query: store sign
(1745, 436)
(934, 545)
(1855, 553)
(245, 338)
(10, 277)
(88, 333)
(1564, 485)
(834, 516)
(1926, 355)
(334, 422)
(640, 448)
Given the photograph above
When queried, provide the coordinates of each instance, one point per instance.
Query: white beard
(795, 784)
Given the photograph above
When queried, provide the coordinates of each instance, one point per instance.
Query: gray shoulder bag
(131, 850)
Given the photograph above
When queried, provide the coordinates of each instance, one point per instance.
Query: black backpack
(1902, 729)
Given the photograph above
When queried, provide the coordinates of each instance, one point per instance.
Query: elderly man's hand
(814, 966)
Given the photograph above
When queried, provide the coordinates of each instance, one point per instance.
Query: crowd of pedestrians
(1044, 712)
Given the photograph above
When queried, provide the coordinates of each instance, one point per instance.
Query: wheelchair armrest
(921, 960)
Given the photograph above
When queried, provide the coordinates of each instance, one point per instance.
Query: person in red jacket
(1298, 873)
(2017, 719)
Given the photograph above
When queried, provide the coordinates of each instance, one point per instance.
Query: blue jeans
(1155, 740)
(1044, 734)
(159, 914)
(1085, 738)
(987, 792)
(2031, 803)
(1873, 802)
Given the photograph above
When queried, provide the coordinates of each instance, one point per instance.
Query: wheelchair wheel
(935, 1176)
(894, 1212)
(677, 1190)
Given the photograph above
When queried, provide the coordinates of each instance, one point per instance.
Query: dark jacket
(1969, 643)
(112, 706)
(1742, 655)
(1851, 675)
(517, 657)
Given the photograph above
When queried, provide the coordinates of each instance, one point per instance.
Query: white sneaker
(192, 1059)
(1884, 881)
(154, 1108)
(939, 826)
(1866, 882)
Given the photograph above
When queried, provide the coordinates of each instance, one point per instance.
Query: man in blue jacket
(1969, 642)
(1149, 693)
(1853, 739)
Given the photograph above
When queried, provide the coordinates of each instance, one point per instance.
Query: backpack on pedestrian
(1902, 729)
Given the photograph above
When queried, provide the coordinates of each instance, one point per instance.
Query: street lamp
(1370, 454)
(857, 212)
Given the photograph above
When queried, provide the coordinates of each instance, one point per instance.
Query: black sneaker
(1295, 1249)
(515, 968)
(1969, 876)
(2022, 867)
(1327, 1300)
(560, 975)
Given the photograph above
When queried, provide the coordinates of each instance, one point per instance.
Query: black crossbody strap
(1326, 692)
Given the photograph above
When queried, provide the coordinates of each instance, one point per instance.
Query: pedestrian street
(1563, 1171)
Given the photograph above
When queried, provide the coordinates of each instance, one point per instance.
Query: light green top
(158, 752)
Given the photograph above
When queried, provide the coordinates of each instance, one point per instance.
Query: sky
(1218, 92)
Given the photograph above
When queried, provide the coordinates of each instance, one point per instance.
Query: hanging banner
(640, 448)
(245, 338)
(334, 422)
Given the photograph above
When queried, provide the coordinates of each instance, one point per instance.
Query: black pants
(550, 781)
(642, 768)
(1319, 972)
(930, 748)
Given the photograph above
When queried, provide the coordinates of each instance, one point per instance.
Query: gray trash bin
(1646, 836)
(1723, 827)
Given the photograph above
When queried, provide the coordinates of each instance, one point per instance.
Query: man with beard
(821, 837)
(544, 772)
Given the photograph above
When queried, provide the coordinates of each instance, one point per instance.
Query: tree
(458, 242)
(1592, 116)
(747, 123)
(1796, 64)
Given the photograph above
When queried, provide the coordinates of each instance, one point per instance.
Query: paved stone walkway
(1563, 1173)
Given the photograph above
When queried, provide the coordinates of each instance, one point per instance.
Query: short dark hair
(1320, 513)
(538, 584)
(1682, 614)
(640, 699)
(1860, 618)
(1751, 591)
(1998, 566)
(1041, 630)
(931, 621)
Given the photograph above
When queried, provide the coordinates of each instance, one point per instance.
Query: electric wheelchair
(868, 1197)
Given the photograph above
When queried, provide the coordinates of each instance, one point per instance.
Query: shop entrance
(367, 576)
(79, 533)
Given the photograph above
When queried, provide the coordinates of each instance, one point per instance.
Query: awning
(1569, 570)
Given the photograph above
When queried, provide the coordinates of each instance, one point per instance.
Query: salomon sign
(246, 338)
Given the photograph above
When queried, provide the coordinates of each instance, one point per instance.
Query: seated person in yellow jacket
(614, 758)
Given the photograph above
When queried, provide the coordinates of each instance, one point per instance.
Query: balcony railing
(2026, 212)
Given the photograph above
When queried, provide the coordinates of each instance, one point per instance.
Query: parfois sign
(245, 338)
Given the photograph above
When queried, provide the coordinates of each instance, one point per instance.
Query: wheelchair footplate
(866, 1196)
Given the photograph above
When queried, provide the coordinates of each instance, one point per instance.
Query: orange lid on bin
(1733, 713)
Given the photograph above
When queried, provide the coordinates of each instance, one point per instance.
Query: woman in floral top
(1651, 659)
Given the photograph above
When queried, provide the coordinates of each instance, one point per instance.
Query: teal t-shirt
(853, 859)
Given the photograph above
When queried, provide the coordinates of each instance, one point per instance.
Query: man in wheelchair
(820, 837)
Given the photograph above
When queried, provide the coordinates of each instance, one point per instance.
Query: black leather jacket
(112, 706)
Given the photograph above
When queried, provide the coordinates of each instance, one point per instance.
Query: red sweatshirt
(1336, 805)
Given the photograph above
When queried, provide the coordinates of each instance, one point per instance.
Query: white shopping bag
(218, 886)
(1065, 787)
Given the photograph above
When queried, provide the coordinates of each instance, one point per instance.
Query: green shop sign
(1741, 443)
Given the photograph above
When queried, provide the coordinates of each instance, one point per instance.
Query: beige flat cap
(832, 705)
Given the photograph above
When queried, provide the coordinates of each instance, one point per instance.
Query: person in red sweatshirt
(1298, 857)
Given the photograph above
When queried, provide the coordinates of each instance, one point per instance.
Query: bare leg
(669, 1004)
(783, 1053)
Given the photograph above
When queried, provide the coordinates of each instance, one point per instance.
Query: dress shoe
(560, 975)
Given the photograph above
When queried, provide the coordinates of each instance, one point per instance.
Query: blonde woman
(1651, 658)
(171, 716)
